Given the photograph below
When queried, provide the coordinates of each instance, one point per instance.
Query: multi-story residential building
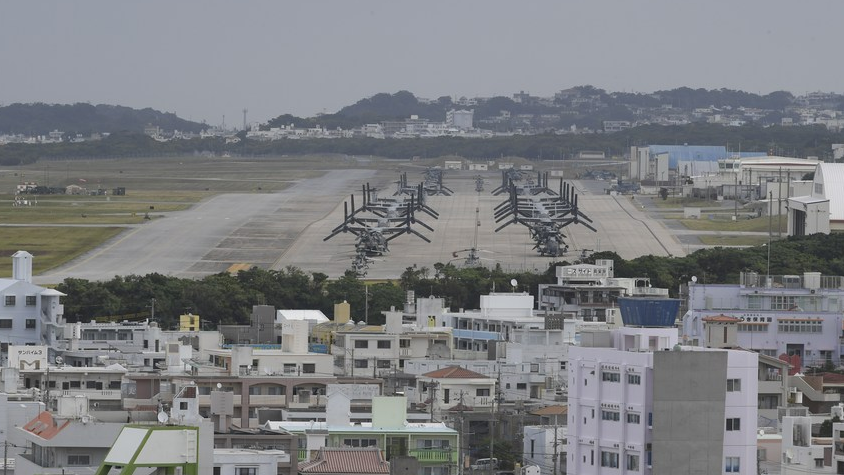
(440, 390)
(589, 293)
(640, 403)
(284, 377)
(30, 314)
(521, 377)
(790, 314)
(460, 119)
(802, 452)
(66, 441)
(133, 345)
(502, 317)
(544, 447)
(372, 350)
(434, 445)
(100, 386)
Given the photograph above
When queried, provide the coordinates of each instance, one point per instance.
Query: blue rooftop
(642, 312)
(702, 153)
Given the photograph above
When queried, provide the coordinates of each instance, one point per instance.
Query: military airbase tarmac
(286, 227)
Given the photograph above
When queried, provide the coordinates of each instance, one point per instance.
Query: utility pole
(770, 220)
(494, 414)
(433, 388)
(556, 450)
(460, 440)
(735, 198)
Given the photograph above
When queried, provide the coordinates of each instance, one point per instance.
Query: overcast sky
(205, 59)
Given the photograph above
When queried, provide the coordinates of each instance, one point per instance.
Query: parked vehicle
(485, 464)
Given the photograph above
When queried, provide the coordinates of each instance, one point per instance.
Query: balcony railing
(303, 455)
(434, 455)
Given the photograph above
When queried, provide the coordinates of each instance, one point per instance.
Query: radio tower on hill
(245, 110)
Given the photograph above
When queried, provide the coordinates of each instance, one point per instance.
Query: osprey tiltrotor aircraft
(545, 217)
(377, 222)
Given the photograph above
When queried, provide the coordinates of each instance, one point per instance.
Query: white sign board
(28, 357)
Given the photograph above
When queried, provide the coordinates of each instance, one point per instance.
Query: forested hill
(40, 119)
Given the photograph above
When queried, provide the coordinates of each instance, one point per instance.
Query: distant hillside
(583, 106)
(40, 119)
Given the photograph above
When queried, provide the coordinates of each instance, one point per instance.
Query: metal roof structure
(347, 460)
(831, 177)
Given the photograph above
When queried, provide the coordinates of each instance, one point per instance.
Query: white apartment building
(30, 314)
(639, 403)
(801, 452)
(521, 377)
(460, 119)
(502, 317)
(373, 350)
(545, 447)
(789, 314)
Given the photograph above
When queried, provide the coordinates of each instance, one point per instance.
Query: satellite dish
(219, 385)
(59, 360)
(162, 417)
(514, 282)
(694, 278)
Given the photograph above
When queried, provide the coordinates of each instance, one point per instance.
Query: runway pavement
(275, 230)
(253, 228)
(621, 228)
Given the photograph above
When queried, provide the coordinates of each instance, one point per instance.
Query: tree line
(786, 141)
(226, 299)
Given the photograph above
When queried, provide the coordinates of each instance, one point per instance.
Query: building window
(361, 363)
(246, 471)
(30, 323)
(634, 379)
(289, 368)
(79, 460)
(632, 462)
(6, 323)
(733, 423)
(482, 392)
(360, 443)
(521, 385)
(30, 300)
(384, 344)
(782, 302)
(733, 385)
(633, 418)
(732, 465)
(309, 368)
(384, 364)
(254, 390)
(609, 459)
(361, 344)
(610, 416)
(404, 343)
(610, 376)
(10, 300)
(797, 325)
